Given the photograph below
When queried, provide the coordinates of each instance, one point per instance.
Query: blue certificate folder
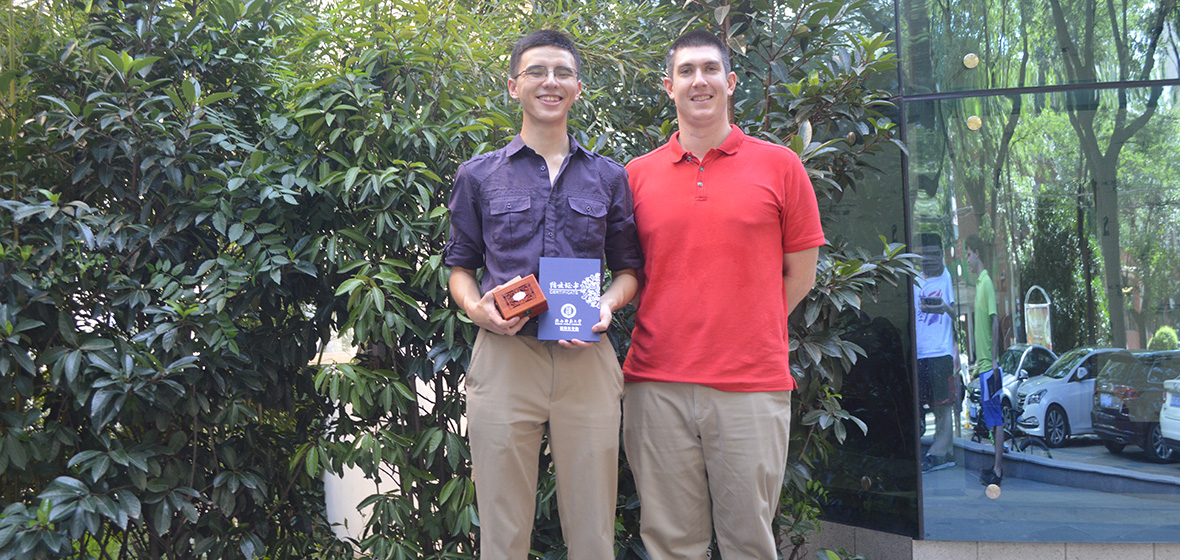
(572, 288)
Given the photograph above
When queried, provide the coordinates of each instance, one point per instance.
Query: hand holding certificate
(573, 288)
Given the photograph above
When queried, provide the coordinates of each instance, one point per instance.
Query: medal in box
(522, 298)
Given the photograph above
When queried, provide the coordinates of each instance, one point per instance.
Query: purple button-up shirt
(505, 214)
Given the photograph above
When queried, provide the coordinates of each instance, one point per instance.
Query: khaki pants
(706, 460)
(519, 388)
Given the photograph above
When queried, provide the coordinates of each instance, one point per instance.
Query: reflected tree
(1083, 29)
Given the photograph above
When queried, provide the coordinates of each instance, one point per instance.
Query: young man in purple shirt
(542, 195)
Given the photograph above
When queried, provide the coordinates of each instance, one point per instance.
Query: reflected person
(730, 233)
(987, 337)
(938, 358)
(541, 195)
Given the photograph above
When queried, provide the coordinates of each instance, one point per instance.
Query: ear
(578, 91)
(731, 80)
(512, 88)
(668, 87)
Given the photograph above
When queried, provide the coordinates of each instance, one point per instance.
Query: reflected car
(1057, 405)
(1031, 358)
(1129, 398)
(1170, 416)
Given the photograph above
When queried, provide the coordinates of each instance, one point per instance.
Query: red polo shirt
(713, 232)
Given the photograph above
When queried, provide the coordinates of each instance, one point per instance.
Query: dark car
(1031, 358)
(1127, 400)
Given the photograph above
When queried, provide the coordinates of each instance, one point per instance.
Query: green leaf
(104, 407)
(235, 232)
(22, 357)
(436, 439)
(720, 13)
(94, 344)
(162, 517)
(174, 97)
(191, 90)
(350, 177)
(349, 285)
(215, 97)
(142, 66)
(447, 490)
(83, 457)
(404, 391)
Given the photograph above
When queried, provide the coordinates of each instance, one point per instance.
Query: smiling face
(545, 101)
(700, 87)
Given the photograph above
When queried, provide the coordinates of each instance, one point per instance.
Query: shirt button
(702, 169)
(587, 209)
(700, 184)
(509, 206)
(549, 235)
(542, 168)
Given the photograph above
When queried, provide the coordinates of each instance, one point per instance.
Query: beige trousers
(519, 388)
(706, 460)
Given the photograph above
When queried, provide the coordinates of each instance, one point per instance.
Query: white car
(1057, 405)
(1170, 415)
(1032, 359)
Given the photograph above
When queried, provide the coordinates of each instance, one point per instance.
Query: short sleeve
(801, 228)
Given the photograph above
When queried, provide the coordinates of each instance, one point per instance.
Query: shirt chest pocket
(586, 228)
(508, 220)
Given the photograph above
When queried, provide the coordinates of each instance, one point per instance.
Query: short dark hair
(543, 38)
(929, 239)
(697, 38)
(974, 243)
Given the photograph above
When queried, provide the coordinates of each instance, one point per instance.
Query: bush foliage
(196, 196)
(1164, 339)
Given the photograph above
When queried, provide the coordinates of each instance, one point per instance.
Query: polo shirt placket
(702, 191)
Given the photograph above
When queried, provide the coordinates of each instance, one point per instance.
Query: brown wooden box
(522, 298)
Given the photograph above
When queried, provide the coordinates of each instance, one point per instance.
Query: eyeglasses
(539, 73)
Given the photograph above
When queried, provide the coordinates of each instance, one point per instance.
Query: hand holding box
(522, 298)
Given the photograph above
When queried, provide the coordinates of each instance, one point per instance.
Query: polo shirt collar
(517, 144)
(729, 147)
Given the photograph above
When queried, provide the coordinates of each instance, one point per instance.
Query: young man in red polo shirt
(730, 233)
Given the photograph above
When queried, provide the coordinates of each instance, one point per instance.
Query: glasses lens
(561, 73)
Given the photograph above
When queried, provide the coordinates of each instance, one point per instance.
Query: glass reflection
(989, 44)
(870, 480)
(1074, 196)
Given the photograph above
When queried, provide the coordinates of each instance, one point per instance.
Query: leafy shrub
(1164, 339)
(159, 299)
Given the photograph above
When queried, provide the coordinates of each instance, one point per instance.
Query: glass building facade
(1046, 136)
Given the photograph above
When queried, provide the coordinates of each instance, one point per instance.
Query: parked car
(1170, 416)
(1128, 400)
(1031, 358)
(1057, 405)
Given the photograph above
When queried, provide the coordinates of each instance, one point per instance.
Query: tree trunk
(1106, 213)
(1087, 270)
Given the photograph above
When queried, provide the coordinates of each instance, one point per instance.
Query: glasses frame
(548, 72)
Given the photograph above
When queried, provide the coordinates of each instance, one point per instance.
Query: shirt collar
(729, 147)
(517, 144)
